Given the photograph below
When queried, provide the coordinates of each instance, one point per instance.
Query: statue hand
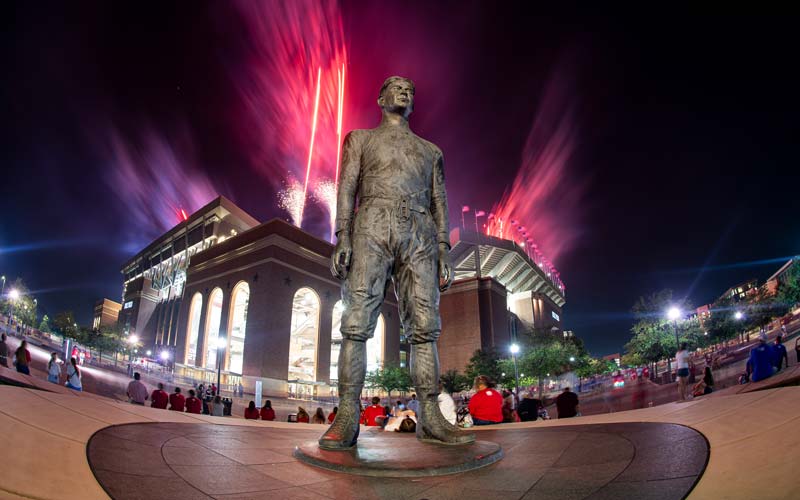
(445, 269)
(340, 260)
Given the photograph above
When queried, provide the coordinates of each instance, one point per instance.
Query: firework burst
(292, 200)
(325, 194)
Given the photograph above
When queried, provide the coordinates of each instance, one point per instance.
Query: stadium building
(258, 302)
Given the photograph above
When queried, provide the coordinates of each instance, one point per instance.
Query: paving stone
(133, 487)
(294, 493)
(644, 490)
(193, 456)
(226, 479)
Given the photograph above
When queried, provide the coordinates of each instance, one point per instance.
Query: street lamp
(739, 315)
(514, 348)
(572, 359)
(673, 314)
(4, 285)
(221, 344)
(13, 294)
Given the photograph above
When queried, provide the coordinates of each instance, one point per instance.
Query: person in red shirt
(302, 415)
(267, 413)
(176, 399)
(159, 398)
(251, 412)
(372, 411)
(332, 415)
(193, 405)
(486, 406)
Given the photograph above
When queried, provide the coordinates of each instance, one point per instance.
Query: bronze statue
(400, 231)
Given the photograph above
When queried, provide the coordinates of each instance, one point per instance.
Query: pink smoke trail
(157, 180)
(325, 194)
(544, 197)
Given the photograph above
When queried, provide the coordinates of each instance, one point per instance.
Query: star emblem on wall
(287, 281)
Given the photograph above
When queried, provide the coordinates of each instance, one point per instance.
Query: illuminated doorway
(193, 329)
(212, 327)
(304, 336)
(239, 302)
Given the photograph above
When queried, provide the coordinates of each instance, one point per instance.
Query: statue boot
(343, 432)
(431, 424)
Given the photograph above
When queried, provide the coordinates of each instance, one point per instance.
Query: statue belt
(404, 205)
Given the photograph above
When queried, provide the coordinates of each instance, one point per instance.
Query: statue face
(398, 97)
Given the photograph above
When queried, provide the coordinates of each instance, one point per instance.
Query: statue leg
(431, 424)
(417, 282)
(362, 296)
(343, 433)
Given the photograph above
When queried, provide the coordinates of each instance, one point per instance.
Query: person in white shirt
(447, 406)
(682, 363)
(53, 369)
(74, 375)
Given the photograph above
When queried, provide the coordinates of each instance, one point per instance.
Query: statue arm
(348, 182)
(439, 202)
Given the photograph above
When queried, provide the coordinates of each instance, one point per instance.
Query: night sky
(678, 136)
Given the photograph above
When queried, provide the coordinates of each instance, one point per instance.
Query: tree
(546, 360)
(488, 362)
(44, 326)
(453, 381)
(64, 324)
(23, 307)
(389, 378)
(789, 286)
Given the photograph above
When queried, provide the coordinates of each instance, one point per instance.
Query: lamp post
(13, 294)
(221, 344)
(673, 314)
(738, 315)
(514, 348)
(4, 285)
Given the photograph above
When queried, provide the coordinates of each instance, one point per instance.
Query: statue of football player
(400, 231)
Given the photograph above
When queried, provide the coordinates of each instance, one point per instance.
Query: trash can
(227, 405)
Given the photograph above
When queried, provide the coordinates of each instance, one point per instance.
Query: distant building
(106, 313)
(154, 278)
(774, 281)
(703, 313)
(740, 292)
(616, 358)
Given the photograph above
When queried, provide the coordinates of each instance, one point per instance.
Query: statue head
(397, 95)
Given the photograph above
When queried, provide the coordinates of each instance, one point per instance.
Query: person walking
(193, 404)
(4, 350)
(74, 376)
(486, 406)
(267, 413)
(177, 401)
(22, 358)
(781, 356)
(251, 412)
(567, 404)
(159, 398)
(319, 417)
(137, 392)
(682, 362)
(53, 369)
(241, 390)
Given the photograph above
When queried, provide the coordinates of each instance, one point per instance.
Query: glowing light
(222, 343)
(311, 146)
(738, 315)
(673, 313)
(149, 352)
(13, 294)
(164, 355)
(133, 339)
(183, 215)
(514, 348)
(339, 118)
(325, 194)
(572, 359)
(291, 199)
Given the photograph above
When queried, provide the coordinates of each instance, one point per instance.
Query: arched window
(213, 319)
(193, 329)
(304, 336)
(336, 338)
(374, 345)
(238, 324)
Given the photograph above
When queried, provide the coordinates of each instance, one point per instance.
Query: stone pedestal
(387, 454)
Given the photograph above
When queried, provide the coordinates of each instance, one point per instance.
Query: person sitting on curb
(193, 404)
(486, 406)
(159, 398)
(760, 364)
(781, 356)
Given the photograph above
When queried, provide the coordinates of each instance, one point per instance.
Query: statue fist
(340, 260)
(445, 269)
